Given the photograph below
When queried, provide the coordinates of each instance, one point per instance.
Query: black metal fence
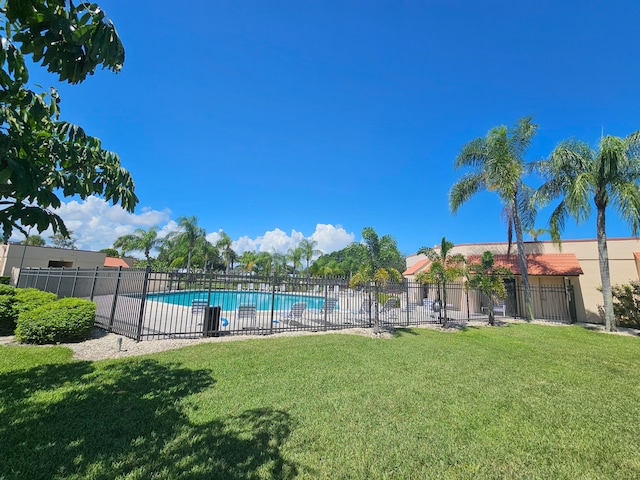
(142, 304)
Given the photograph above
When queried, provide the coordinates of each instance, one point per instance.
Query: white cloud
(96, 223)
(214, 236)
(331, 238)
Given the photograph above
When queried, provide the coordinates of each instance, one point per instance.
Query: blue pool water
(230, 299)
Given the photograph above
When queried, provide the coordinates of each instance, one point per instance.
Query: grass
(523, 401)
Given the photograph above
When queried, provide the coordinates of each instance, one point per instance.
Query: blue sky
(276, 121)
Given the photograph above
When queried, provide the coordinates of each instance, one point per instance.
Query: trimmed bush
(4, 280)
(31, 298)
(7, 315)
(65, 320)
(7, 289)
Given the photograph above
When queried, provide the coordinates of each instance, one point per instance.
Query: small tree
(63, 241)
(488, 278)
(445, 267)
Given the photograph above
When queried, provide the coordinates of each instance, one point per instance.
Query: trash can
(212, 321)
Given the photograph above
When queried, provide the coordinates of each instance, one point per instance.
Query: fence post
(93, 285)
(273, 301)
(145, 282)
(46, 283)
(75, 281)
(115, 300)
(59, 282)
(376, 317)
(406, 284)
(326, 298)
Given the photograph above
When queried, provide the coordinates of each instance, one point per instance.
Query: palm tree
(575, 172)
(190, 232)
(140, 240)
(263, 263)
(248, 261)
(374, 271)
(375, 268)
(308, 247)
(489, 279)
(224, 246)
(445, 267)
(294, 255)
(498, 165)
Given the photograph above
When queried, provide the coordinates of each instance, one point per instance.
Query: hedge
(65, 320)
(7, 315)
(30, 298)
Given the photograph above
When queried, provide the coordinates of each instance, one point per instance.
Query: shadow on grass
(127, 420)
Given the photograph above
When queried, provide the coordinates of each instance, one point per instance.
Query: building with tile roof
(574, 264)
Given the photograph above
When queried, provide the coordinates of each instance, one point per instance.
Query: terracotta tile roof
(636, 255)
(115, 262)
(548, 264)
(416, 266)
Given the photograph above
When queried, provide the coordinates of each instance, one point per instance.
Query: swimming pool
(230, 299)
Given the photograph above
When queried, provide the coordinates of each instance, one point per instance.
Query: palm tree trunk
(522, 261)
(605, 278)
(189, 259)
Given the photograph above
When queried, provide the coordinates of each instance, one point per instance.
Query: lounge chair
(248, 314)
(329, 305)
(297, 311)
(199, 305)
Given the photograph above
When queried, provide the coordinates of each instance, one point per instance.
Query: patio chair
(329, 305)
(247, 314)
(297, 311)
(500, 307)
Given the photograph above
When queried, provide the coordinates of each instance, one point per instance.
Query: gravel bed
(103, 345)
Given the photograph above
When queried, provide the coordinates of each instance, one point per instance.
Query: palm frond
(464, 189)
(473, 154)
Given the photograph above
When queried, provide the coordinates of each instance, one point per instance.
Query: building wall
(14, 255)
(623, 267)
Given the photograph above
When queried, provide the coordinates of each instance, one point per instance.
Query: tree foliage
(377, 252)
(224, 246)
(34, 240)
(140, 240)
(41, 156)
(61, 240)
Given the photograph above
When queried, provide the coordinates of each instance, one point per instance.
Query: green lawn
(522, 401)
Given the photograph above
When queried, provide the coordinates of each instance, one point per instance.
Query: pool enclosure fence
(143, 304)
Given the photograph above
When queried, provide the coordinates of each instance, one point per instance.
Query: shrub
(7, 315)
(4, 280)
(65, 320)
(7, 290)
(30, 298)
(626, 304)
